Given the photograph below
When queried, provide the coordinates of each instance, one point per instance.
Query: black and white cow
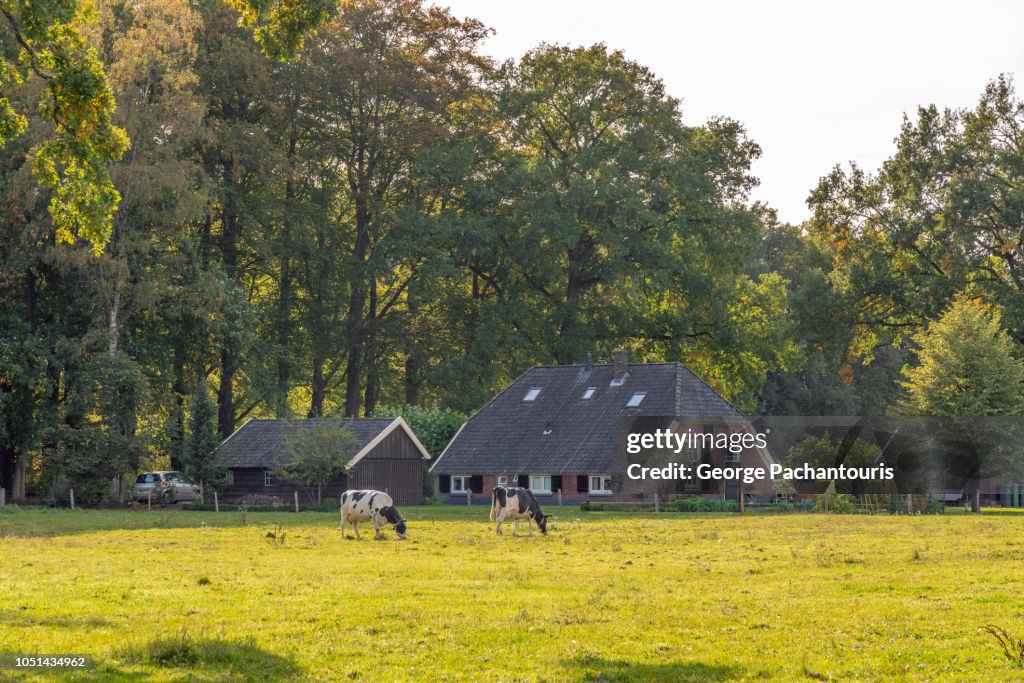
(516, 503)
(375, 506)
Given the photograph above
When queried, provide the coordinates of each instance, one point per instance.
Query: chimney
(621, 363)
(590, 360)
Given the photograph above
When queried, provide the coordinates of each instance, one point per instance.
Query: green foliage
(434, 427)
(967, 365)
(834, 503)
(705, 504)
(281, 27)
(73, 160)
(199, 461)
(314, 453)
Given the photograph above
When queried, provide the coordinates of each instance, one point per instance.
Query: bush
(837, 503)
(329, 504)
(703, 504)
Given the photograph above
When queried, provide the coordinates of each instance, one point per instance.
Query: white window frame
(268, 478)
(463, 486)
(503, 480)
(541, 491)
(588, 393)
(532, 394)
(636, 399)
(604, 487)
(229, 477)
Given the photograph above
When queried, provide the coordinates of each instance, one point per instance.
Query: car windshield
(148, 478)
(184, 480)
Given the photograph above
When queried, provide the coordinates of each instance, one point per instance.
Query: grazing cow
(362, 506)
(515, 502)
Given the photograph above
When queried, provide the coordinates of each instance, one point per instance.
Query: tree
(967, 372)
(966, 365)
(72, 160)
(944, 213)
(314, 453)
(824, 451)
(199, 461)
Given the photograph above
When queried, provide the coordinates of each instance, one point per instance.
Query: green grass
(175, 596)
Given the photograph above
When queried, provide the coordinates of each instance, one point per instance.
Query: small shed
(389, 458)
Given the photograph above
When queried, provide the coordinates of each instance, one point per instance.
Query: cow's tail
(494, 503)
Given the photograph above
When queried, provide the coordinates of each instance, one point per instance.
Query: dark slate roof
(258, 443)
(507, 435)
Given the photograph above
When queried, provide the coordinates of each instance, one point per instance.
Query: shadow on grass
(211, 659)
(600, 670)
(19, 618)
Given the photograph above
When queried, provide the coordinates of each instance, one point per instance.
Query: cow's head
(395, 520)
(542, 522)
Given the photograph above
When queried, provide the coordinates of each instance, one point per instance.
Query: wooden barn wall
(249, 480)
(395, 466)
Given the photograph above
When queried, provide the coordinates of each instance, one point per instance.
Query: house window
(540, 483)
(589, 393)
(503, 480)
(531, 395)
(637, 399)
(229, 478)
(268, 478)
(600, 484)
(460, 484)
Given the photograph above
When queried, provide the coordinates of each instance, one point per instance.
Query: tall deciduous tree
(967, 365)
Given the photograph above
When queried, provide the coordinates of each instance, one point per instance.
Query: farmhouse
(389, 458)
(555, 429)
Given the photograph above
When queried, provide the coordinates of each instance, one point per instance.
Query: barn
(389, 458)
(553, 430)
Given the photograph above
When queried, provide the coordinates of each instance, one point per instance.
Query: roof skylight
(589, 393)
(532, 394)
(637, 399)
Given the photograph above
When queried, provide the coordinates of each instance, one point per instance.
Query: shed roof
(260, 443)
(560, 431)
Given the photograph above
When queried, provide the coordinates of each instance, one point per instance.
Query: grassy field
(175, 596)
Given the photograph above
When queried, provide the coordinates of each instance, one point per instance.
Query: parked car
(174, 485)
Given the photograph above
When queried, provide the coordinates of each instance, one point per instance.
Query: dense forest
(377, 215)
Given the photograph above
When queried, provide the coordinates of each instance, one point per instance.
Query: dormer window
(589, 393)
(547, 429)
(531, 395)
(636, 399)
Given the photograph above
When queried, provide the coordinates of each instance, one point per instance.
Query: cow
(516, 502)
(375, 506)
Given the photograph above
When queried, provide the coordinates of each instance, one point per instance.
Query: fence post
(216, 502)
(910, 503)
(559, 497)
(469, 498)
(3, 496)
(149, 500)
(657, 502)
(296, 500)
(72, 493)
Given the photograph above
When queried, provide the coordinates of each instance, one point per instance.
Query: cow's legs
(376, 527)
(529, 525)
(501, 518)
(343, 526)
(355, 525)
(515, 527)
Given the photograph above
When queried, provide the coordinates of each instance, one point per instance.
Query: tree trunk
(283, 338)
(316, 405)
(18, 483)
(372, 371)
(225, 393)
(356, 308)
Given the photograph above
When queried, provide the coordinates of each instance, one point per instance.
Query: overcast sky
(814, 83)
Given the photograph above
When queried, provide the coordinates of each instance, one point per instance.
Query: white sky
(814, 83)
